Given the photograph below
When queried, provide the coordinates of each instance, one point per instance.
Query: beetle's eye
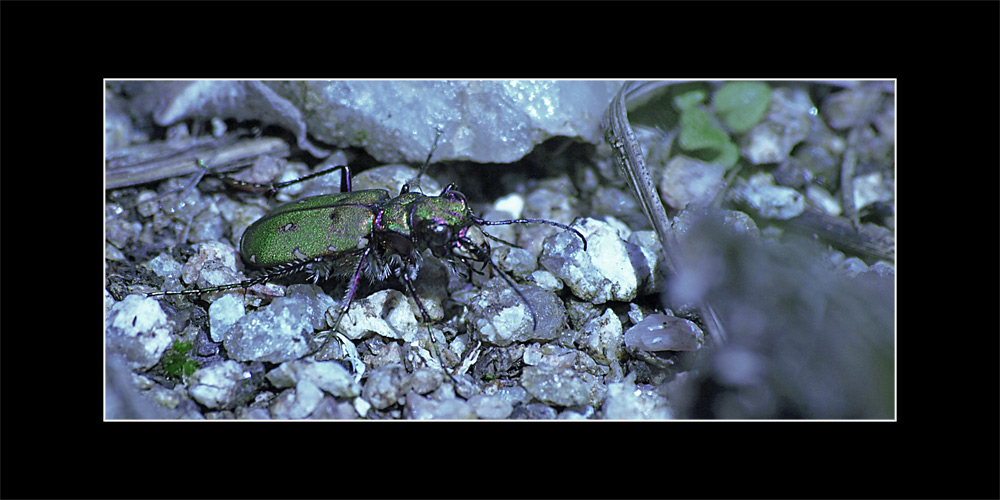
(438, 235)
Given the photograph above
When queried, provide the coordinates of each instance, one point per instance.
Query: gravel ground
(587, 336)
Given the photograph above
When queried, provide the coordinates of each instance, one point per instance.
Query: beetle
(368, 233)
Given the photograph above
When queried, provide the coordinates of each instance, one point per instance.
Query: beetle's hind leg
(272, 188)
(324, 352)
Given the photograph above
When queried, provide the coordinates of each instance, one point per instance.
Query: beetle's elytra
(370, 233)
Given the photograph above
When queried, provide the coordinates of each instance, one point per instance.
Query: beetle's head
(445, 225)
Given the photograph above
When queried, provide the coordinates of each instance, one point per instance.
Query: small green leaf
(182, 347)
(703, 139)
(698, 131)
(689, 99)
(176, 363)
(727, 155)
(741, 105)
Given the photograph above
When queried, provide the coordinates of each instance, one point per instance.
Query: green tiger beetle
(368, 233)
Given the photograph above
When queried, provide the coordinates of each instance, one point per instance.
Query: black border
(944, 444)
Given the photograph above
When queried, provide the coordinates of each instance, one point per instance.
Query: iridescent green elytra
(326, 225)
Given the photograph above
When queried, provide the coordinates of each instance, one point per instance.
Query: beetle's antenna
(415, 182)
(483, 222)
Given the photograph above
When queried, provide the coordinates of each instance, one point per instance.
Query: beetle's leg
(408, 283)
(275, 273)
(470, 270)
(345, 180)
(345, 304)
(510, 283)
(242, 284)
(505, 242)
